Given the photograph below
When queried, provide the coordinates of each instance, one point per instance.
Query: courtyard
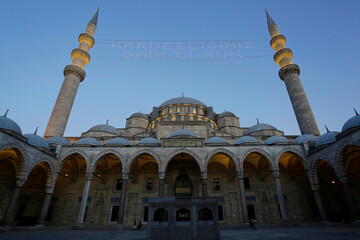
(308, 233)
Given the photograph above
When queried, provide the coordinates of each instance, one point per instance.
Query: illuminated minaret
(289, 73)
(74, 74)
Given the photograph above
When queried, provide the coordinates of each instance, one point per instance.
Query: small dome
(326, 138)
(276, 139)
(305, 138)
(245, 140)
(88, 141)
(259, 127)
(149, 141)
(37, 141)
(118, 141)
(352, 122)
(182, 100)
(226, 114)
(105, 128)
(139, 115)
(8, 124)
(216, 140)
(58, 141)
(182, 133)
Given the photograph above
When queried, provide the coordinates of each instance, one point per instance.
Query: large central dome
(182, 100)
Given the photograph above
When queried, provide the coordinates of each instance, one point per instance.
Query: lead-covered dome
(105, 128)
(216, 141)
(226, 114)
(58, 141)
(182, 133)
(118, 141)
(8, 124)
(352, 122)
(246, 140)
(276, 139)
(326, 138)
(182, 100)
(260, 127)
(37, 141)
(88, 141)
(138, 115)
(305, 138)
(149, 141)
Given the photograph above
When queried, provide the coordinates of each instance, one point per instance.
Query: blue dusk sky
(38, 37)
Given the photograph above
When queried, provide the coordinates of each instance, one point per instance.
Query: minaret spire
(74, 74)
(289, 73)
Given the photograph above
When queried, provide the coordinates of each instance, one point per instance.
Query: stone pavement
(303, 233)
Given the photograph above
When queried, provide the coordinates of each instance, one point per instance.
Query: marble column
(280, 198)
(161, 184)
(245, 214)
(351, 200)
(45, 206)
(81, 214)
(122, 199)
(204, 184)
(319, 204)
(10, 209)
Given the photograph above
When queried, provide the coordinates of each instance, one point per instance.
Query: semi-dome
(259, 127)
(305, 138)
(226, 114)
(217, 140)
(326, 138)
(276, 139)
(182, 100)
(37, 141)
(182, 133)
(149, 141)
(88, 141)
(105, 128)
(58, 141)
(352, 122)
(118, 141)
(8, 124)
(246, 140)
(138, 115)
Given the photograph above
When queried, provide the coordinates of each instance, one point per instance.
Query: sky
(38, 37)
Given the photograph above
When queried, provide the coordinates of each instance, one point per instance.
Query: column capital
(89, 176)
(162, 175)
(72, 69)
(291, 68)
(203, 175)
(125, 176)
(276, 173)
(240, 174)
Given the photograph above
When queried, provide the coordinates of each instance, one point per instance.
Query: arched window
(160, 215)
(183, 214)
(205, 214)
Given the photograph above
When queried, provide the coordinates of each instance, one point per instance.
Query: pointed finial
(95, 18)
(327, 130)
(183, 94)
(257, 121)
(269, 20)
(107, 121)
(354, 110)
(7, 110)
(36, 130)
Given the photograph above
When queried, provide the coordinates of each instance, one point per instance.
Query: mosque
(183, 148)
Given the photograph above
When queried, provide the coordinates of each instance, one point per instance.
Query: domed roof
(226, 114)
(118, 141)
(216, 140)
(352, 122)
(326, 138)
(305, 138)
(8, 124)
(138, 115)
(182, 100)
(58, 141)
(37, 141)
(105, 128)
(88, 141)
(259, 127)
(182, 133)
(149, 141)
(246, 139)
(276, 139)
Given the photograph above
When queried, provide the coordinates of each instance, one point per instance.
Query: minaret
(74, 74)
(289, 73)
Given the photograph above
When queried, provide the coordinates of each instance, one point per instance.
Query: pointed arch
(299, 154)
(129, 161)
(340, 155)
(183, 150)
(224, 151)
(103, 153)
(63, 157)
(315, 166)
(22, 158)
(260, 151)
(49, 168)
